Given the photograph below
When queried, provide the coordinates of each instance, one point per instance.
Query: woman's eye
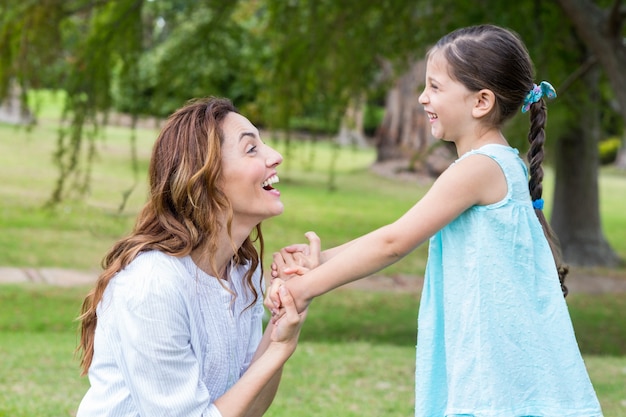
(251, 149)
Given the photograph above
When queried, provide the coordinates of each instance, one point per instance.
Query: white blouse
(170, 339)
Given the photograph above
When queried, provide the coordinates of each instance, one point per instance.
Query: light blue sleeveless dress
(494, 334)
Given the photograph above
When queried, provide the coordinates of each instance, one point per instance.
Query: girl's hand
(297, 259)
(274, 300)
(287, 265)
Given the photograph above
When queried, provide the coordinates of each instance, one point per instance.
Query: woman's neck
(222, 254)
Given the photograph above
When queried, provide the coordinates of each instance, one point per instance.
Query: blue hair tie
(538, 203)
(536, 93)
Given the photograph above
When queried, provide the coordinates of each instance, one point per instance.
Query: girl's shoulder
(506, 158)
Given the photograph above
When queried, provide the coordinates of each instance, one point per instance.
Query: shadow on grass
(391, 318)
(353, 315)
(340, 316)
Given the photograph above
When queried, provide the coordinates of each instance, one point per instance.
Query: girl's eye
(251, 149)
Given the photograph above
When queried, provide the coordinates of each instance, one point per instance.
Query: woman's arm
(161, 370)
(255, 390)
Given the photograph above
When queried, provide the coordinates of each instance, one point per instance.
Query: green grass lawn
(356, 356)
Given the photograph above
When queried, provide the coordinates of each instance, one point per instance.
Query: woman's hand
(297, 259)
(286, 319)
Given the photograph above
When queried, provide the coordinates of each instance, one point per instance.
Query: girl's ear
(485, 101)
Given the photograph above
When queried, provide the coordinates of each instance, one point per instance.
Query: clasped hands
(290, 262)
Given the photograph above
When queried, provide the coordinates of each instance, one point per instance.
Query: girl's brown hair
(184, 208)
(494, 58)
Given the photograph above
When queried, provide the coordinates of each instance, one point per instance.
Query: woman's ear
(485, 101)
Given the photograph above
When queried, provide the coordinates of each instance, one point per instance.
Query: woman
(174, 324)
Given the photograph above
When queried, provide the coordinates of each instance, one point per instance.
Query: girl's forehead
(437, 59)
(437, 65)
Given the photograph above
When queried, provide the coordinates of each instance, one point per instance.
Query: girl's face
(249, 171)
(447, 102)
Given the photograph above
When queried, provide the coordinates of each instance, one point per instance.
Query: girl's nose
(422, 98)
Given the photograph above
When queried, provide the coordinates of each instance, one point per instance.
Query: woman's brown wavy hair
(184, 205)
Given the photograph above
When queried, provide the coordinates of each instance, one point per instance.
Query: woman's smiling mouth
(267, 184)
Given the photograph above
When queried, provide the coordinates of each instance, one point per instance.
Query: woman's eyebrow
(246, 134)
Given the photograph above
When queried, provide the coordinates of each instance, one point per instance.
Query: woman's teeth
(271, 180)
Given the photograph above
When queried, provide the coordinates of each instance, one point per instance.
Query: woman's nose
(274, 157)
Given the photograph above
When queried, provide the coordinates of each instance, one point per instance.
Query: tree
(287, 59)
(76, 45)
(603, 32)
(404, 129)
(577, 129)
(132, 53)
(576, 215)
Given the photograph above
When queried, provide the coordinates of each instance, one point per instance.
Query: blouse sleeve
(155, 353)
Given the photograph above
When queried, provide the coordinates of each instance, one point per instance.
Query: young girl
(173, 326)
(494, 334)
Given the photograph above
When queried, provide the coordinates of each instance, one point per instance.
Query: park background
(333, 85)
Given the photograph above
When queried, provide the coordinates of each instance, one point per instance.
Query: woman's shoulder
(155, 263)
(151, 272)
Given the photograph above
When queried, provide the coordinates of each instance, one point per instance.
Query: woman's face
(249, 171)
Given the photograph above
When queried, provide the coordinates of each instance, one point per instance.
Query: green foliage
(372, 118)
(309, 70)
(608, 150)
(195, 50)
(282, 62)
(33, 24)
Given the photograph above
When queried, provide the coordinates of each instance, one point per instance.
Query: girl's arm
(476, 179)
(298, 258)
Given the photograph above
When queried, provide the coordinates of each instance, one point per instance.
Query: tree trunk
(351, 131)
(404, 130)
(601, 31)
(620, 161)
(576, 213)
(13, 109)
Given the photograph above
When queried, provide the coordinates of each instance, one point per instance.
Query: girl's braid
(536, 138)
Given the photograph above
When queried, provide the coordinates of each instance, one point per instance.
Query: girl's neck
(492, 136)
